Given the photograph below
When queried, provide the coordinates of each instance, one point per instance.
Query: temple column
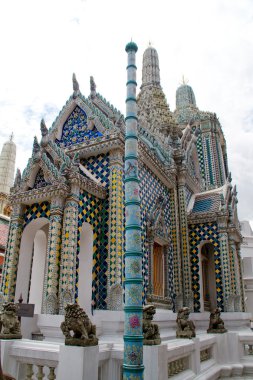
(133, 336)
(9, 276)
(69, 249)
(50, 304)
(116, 237)
(240, 303)
(227, 277)
(166, 270)
(233, 275)
(184, 242)
(150, 244)
(177, 260)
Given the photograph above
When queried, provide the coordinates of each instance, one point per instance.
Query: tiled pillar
(175, 234)
(227, 279)
(240, 306)
(69, 250)
(116, 230)
(184, 241)
(9, 277)
(233, 274)
(133, 337)
(50, 303)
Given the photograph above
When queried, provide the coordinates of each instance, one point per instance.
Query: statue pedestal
(82, 360)
(8, 366)
(154, 358)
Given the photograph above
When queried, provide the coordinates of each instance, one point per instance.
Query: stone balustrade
(208, 356)
(39, 371)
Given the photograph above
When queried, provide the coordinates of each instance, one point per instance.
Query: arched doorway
(208, 278)
(32, 259)
(85, 267)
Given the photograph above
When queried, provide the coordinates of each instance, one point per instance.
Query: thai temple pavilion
(66, 238)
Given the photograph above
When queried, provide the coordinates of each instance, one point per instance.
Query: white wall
(38, 268)
(33, 234)
(85, 267)
(247, 263)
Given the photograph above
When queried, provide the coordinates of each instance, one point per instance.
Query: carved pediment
(157, 228)
(80, 121)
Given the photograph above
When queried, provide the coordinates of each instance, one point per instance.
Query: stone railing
(205, 354)
(39, 371)
(208, 356)
(177, 366)
(30, 360)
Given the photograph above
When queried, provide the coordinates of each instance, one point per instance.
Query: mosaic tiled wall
(211, 159)
(205, 232)
(201, 156)
(99, 167)
(75, 129)
(95, 211)
(150, 188)
(220, 162)
(36, 210)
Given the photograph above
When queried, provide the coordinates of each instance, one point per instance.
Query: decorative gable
(40, 180)
(78, 128)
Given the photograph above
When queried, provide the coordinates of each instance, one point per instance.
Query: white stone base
(78, 363)
(223, 355)
(154, 360)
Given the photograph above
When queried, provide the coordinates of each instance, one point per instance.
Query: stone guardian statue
(216, 323)
(185, 327)
(151, 332)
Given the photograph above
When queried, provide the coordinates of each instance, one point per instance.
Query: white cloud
(210, 42)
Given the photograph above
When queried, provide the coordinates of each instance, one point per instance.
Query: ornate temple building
(66, 239)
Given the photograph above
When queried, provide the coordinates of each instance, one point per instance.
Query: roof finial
(43, 128)
(17, 178)
(36, 146)
(75, 86)
(92, 87)
(11, 136)
(184, 80)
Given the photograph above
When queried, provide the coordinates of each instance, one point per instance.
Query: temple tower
(211, 144)
(7, 167)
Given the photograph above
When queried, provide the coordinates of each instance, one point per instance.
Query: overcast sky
(210, 42)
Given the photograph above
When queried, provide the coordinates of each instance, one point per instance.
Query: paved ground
(237, 377)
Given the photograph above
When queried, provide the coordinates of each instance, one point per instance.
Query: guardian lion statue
(216, 324)
(9, 323)
(185, 327)
(151, 333)
(78, 322)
